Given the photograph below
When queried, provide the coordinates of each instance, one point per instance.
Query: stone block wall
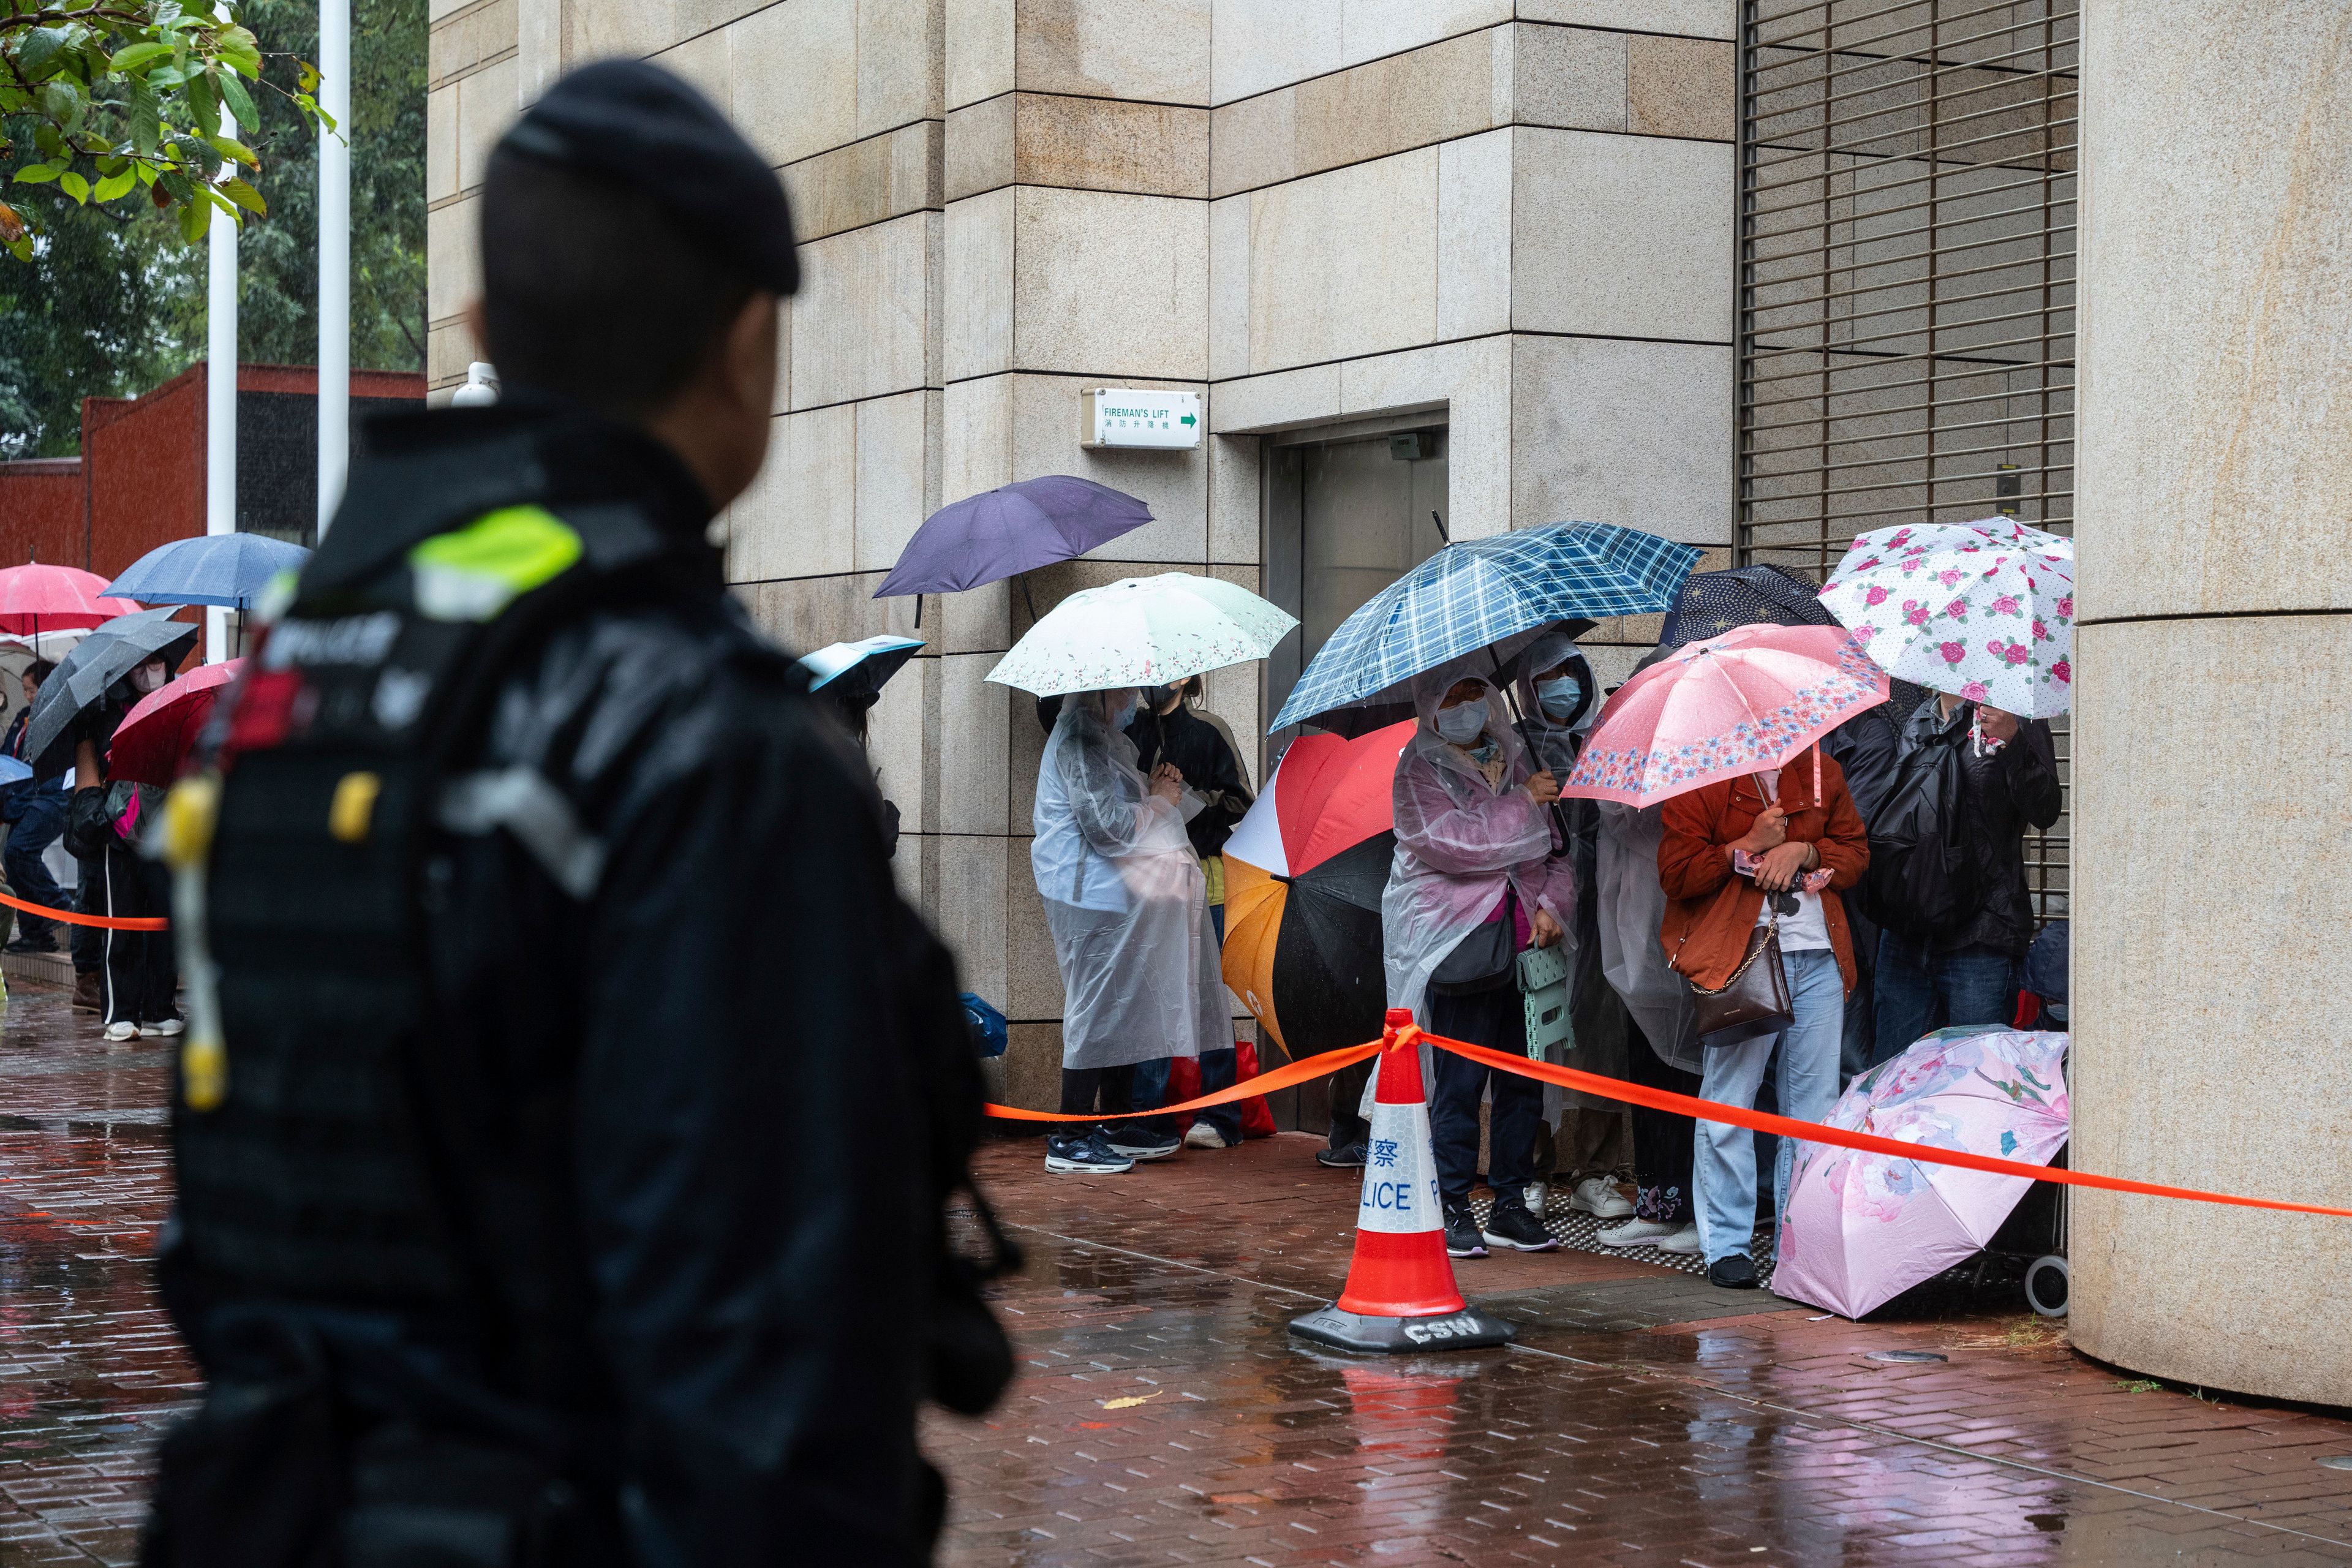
(1516, 214)
(2210, 1039)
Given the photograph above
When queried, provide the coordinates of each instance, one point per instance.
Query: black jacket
(1200, 752)
(671, 1094)
(2004, 795)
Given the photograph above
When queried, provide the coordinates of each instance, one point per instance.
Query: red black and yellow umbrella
(1304, 874)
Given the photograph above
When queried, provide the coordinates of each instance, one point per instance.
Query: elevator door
(1346, 518)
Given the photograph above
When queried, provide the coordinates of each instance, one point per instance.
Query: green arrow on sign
(1188, 419)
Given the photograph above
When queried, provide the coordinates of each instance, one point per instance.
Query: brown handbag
(1753, 1003)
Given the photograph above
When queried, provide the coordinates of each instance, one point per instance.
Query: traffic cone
(1401, 1294)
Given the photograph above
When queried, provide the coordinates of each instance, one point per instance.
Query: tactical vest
(307, 1142)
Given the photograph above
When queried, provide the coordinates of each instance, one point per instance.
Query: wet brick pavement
(1644, 1416)
(1165, 1416)
(89, 1368)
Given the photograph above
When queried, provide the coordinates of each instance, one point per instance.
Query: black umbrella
(111, 652)
(1711, 603)
(1330, 979)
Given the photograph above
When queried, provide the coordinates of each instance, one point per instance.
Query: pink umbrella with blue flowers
(1863, 1228)
(1737, 704)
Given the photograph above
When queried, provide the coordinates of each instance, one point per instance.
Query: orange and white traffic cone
(1401, 1294)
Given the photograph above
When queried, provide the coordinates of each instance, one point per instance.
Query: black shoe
(1351, 1158)
(1132, 1143)
(32, 944)
(1462, 1237)
(1089, 1155)
(1509, 1224)
(1736, 1272)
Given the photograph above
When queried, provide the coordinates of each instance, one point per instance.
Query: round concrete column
(2212, 934)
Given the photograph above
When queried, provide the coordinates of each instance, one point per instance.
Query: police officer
(570, 1105)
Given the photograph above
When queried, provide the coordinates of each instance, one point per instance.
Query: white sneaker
(1635, 1233)
(1539, 1194)
(165, 1027)
(1200, 1135)
(1683, 1241)
(1598, 1196)
(125, 1030)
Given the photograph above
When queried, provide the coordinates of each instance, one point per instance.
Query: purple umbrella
(1009, 530)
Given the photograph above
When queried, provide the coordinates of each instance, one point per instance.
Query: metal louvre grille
(1906, 312)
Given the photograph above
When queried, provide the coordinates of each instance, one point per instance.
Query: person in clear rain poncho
(1581, 1139)
(1662, 1047)
(1128, 906)
(1475, 880)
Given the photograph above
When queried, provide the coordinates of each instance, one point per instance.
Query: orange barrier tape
(71, 917)
(1283, 1077)
(1705, 1110)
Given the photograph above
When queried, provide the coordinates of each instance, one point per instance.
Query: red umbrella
(36, 598)
(156, 736)
(1304, 872)
(1329, 794)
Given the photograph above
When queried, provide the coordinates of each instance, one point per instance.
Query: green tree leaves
(157, 86)
(112, 301)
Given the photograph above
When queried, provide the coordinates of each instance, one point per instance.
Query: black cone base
(1467, 1329)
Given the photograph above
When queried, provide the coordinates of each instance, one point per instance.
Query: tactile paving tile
(1580, 1232)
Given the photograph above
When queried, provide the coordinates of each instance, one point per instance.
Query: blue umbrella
(856, 672)
(228, 569)
(1009, 529)
(1498, 592)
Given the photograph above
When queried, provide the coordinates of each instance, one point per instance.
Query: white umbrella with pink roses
(1983, 610)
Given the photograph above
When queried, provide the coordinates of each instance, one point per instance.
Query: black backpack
(1921, 883)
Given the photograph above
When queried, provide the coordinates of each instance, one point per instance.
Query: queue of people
(1656, 905)
(129, 977)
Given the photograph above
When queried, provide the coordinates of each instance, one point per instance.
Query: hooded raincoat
(1594, 1012)
(1125, 899)
(1461, 842)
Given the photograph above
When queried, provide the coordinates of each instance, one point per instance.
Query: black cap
(639, 125)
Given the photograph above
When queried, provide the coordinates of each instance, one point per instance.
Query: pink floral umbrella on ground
(1983, 610)
(1863, 1228)
(1730, 706)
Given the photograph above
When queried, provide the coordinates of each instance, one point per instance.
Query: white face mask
(148, 676)
(1462, 723)
(1559, 697)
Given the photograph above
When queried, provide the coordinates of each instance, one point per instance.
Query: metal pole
(220, 409)
(334, 256)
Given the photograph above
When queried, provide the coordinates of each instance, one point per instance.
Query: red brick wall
(146, 463)
(41, 511)
(141, 479)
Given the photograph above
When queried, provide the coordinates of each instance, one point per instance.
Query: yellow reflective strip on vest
(472, 573)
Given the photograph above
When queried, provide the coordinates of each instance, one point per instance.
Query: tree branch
(43, 19)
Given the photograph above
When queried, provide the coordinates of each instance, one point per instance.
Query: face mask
(1125, 712)
(1464, 723)
(1559, 697)
(147, 676)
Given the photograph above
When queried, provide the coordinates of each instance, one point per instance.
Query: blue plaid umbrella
(1494, 592)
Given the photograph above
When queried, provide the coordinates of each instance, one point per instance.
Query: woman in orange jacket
(1735, 856)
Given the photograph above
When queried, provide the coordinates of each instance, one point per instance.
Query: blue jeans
(1217, 1070)
(41, 819)
(1919, 992)
(1723, 1158)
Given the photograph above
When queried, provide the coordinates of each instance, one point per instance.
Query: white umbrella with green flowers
(1142, 631)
